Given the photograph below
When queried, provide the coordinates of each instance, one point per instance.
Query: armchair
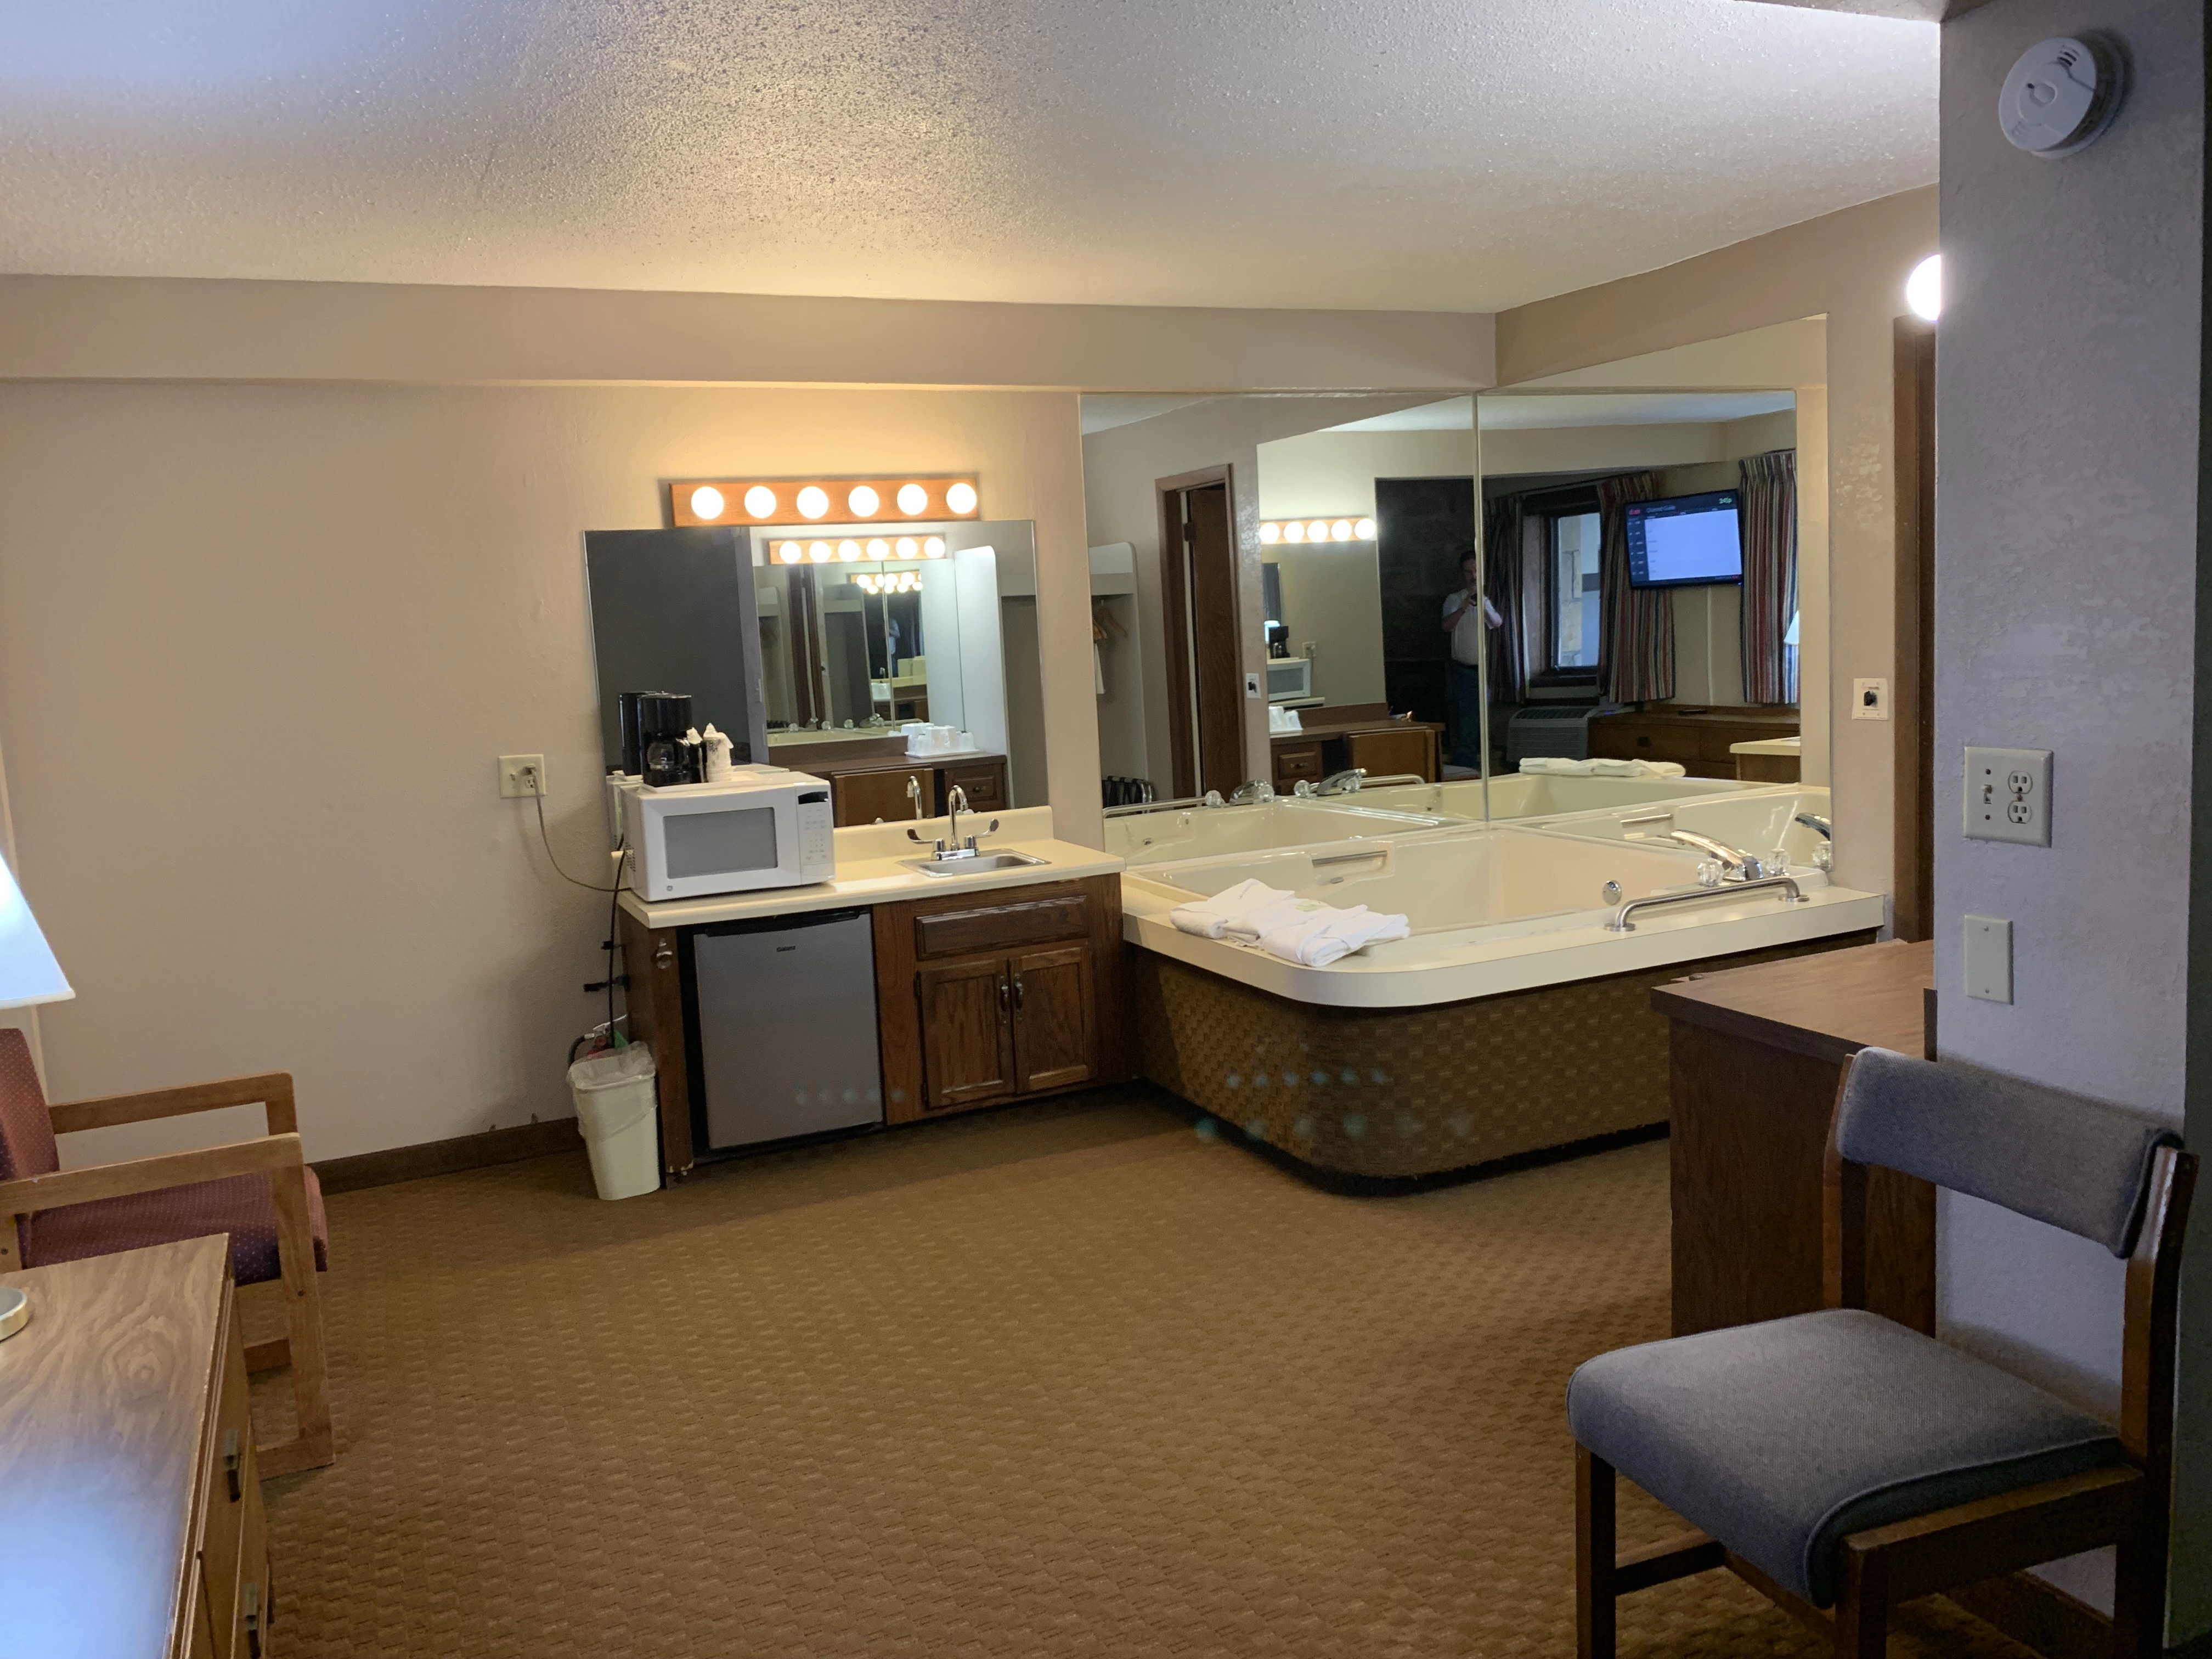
(260, 1192)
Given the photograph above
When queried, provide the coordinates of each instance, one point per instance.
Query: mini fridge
(786, 1038)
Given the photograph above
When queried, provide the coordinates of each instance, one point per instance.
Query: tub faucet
(1736, 865)
(1253, 789)
(1346, 783)
(1819, 826)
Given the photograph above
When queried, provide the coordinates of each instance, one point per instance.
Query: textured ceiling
(1457, 155)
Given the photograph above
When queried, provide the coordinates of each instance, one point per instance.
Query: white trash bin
(618, 1110)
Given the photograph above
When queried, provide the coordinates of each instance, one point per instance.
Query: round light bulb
(913, 499)
(820, 552)
(1340, 531)
(879, 548)
(848, 551)
(1271, 533)
(706, 502)
(961, 498)
(760, 501)
(813, 502)
(1318, 531)
(790, 552)
(1364, 531)
(934, 548)
(908, 547)
(1295, 530)
(863, 502)
(1923, 289)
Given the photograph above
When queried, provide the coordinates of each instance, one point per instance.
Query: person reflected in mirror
(1466, 614)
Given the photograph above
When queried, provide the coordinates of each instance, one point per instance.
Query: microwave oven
(764, 826)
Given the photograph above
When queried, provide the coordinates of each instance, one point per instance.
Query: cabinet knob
(231, 1460)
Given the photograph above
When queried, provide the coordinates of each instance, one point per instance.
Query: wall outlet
(1989, 958)
(2008, 795)
(521, 776)
(1869, 700)
(1310, 648)
(1252, 686)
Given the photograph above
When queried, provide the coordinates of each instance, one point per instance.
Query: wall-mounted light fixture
(1275, 530)
(847, 550)
(820, 500)
(891, 581)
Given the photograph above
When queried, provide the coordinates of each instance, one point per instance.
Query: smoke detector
(2060, 96)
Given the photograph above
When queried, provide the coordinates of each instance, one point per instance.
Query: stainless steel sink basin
(973, 864)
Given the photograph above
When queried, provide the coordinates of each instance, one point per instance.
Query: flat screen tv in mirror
(1685, 541)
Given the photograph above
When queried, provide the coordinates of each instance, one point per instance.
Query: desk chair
(260, 1192)
(1843, 1464)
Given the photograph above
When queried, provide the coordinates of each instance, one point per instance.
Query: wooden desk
(126, 1456)
(1754, 1054)
(1698, 738)
(1357, 734)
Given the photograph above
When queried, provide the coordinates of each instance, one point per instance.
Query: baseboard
(435, 1158)
(2037, 1613)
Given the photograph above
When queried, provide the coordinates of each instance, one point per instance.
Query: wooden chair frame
(278, 1154)
(2128, 1505)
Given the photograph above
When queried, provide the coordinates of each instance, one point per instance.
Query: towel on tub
(1314, 934)
(1211, 918)
(1560, 766)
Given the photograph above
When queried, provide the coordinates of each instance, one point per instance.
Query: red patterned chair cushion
(26, 1134)
(242, 1205)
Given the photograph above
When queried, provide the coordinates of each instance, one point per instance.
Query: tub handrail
(1211, 797)
(1621, 924)
(1360, 857)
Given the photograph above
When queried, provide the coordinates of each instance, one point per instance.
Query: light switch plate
(521, 776)
(1989, 958)
(1252, 686)
(2008, 795)
(1869, 700)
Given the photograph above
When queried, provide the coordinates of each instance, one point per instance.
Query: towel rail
(1621, 924)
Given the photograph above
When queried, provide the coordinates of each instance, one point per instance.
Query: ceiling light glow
(706, 501)
(1923, 289)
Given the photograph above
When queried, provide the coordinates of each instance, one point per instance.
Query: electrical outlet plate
(1869, 700)
(521, 776)
(2008, 795)
(1989, 958)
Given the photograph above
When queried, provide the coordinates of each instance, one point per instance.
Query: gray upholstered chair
(1843, 1464)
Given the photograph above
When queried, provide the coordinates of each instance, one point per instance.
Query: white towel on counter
(1560, 766)
(1313, 934)
(1211, 918)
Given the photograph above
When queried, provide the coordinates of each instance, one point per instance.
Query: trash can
(618, 1110)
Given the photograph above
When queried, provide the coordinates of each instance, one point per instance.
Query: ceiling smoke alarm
(2060, 96)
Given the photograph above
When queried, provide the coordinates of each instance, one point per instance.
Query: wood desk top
(1319, 725)
(1828, 1005)
(104, 1397)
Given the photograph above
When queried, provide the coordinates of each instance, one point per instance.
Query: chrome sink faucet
(1346, 783)
(956, 803)
(1253, 789)
(1736, 865)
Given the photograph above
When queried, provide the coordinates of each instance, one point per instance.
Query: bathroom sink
(973, 864)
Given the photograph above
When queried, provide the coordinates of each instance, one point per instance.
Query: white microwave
(763, 827)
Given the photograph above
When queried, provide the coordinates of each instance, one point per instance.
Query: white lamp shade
(28, 972)
(1789, 633)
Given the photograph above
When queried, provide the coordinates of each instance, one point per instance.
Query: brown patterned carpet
(1062, 1380)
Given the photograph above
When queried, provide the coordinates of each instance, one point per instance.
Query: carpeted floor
(1064, 1380)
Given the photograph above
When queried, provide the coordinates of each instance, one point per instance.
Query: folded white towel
(1318, 935)
(1210, 918)
(1560, 766)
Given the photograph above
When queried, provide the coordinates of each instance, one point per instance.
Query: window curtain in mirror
(1768, 486)
(1636, 653)
(1501, 585)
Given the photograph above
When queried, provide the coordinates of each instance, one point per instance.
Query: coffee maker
(661, 720)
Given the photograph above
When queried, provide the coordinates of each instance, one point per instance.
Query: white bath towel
(1560, 766)
(1210, 918)
(1317, 934)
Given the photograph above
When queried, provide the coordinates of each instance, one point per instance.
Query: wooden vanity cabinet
(984, 997)
(882, 794)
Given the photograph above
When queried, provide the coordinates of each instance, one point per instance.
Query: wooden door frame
(1913, 700)
(1175, 604)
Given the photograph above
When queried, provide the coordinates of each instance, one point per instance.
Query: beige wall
(258, 647)
(1333, 605)
(1848, 268)
(1314, 474)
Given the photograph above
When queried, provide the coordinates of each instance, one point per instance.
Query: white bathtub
(1757, 821)
(1207, 832)
(1531, 794)
(1494, 910)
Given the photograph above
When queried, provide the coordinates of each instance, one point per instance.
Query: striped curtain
(1501, 584)
(1768, 484)
(1637, 648)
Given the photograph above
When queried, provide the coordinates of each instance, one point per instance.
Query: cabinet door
(984, 783)
(1394, 753)
(867, 797)
(967, 1032)
(1054, 1042)
(1296, 762)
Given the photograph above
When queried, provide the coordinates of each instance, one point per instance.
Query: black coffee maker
(652, 728)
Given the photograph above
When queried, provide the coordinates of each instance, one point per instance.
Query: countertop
(1828, 1006)
(1769, 746)
(870, 870)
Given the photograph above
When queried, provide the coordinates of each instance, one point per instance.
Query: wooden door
(1912, 699)
(967, 1032)
(882, 796)
(1204, 640)
(1054, 1042)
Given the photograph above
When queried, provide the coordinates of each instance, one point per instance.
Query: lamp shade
(1790, 634)
(28, 972)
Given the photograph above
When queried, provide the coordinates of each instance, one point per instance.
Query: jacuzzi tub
(1512, 1021)
(1288, 821)
(1757, 821)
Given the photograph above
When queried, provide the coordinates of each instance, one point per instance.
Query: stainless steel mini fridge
(786, 1027)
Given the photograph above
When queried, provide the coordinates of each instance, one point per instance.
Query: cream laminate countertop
(871, 870)
(1769, 746)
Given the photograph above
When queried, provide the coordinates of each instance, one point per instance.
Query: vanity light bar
(820, 500)
(1273, 531)
(898, 581)
(848, 550)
